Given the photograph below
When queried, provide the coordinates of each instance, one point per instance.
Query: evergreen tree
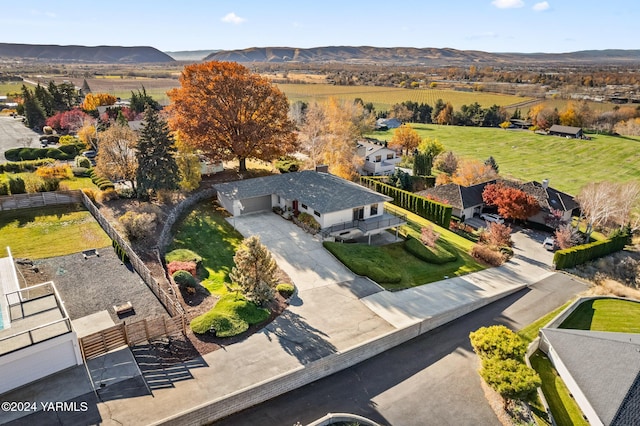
(33, 111)
(157, 167)
(492, 162)
(46, 100)
(140, 100)
(422, 163)
(255, 271)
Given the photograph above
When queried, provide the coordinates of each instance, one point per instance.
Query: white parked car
(549, 243)
(491, 217)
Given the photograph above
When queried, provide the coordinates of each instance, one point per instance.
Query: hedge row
(64, 152)
(434, 211)
(100, 181)
(578, 255)
(24, 166)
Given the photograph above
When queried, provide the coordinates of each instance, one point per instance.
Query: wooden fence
(131, 334)
(39, 199)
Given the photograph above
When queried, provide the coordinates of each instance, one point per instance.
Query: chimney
(322, 168)
(545, 183)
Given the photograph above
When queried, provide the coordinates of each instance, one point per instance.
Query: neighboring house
(520, 124)
(343, 209)
(378, 159)
(36, 338)
(566, 131)
(210, 167)
(467, 200)
(607, 392)
(387, 123)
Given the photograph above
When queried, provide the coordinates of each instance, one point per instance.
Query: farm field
(569, 164)
(383, 98)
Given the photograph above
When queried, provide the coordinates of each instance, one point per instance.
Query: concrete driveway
(527, 245)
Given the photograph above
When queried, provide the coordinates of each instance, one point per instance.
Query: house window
(390, 156)
(378, 158)
(279, 202)
(317, 213)
(374, 210)
(304, 206)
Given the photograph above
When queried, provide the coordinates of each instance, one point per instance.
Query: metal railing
(366, 225)
(6, 347)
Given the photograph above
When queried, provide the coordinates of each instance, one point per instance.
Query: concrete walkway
(333, 312)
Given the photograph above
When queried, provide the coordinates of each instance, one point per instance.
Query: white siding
(334, 218)
(37, 361)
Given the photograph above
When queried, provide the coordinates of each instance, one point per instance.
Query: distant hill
(97, 54)
(416, 56)
(191, 55)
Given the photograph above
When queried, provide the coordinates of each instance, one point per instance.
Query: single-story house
(378, 159)
(387, 123)
(467, 200)
(36, 337)
(566, 131)
(520, 124)
(342, 208)
(600, 369)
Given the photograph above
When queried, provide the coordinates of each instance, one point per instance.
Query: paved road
(430, 380)
(14, 134)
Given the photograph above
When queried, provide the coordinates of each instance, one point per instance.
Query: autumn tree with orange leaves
(93, 101)
(512, 203)
(230, 113)
(471, 172)
(405, 138)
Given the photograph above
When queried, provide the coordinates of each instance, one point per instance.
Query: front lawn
(613, 315)
(206, 232)
(395, 267)
(51, 231)
(231, 315)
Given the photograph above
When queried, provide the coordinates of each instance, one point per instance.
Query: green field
(63, 230)
(383, 98)
(11, 87)
(569, 164)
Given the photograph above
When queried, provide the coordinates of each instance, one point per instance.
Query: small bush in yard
(91, 193)
(183, 255)
(174, 266)
(486, 254)
(285, 289)
(184, 279)
(82, 161)
(106, 195)
(138, 225)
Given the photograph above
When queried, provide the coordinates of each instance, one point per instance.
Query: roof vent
(322, 168)
(545, 183)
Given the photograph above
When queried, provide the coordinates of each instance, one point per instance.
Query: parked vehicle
(492, 217)
(549, 243)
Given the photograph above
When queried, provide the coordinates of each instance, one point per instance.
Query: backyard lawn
(615, 315)
(58, 231)
(522, 154)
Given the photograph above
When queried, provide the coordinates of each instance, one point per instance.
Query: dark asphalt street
(430, 380)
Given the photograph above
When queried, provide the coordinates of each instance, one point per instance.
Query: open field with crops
(383, 98)
(522, 154)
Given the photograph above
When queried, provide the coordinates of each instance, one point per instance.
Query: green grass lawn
(394, 259)
(563, 407)
(77, 183)
(569, 164)
(613, 315)
(207, 233)
(56, 231)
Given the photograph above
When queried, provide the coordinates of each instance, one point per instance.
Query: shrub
(486, 254)
(16, 185)
(428, 236)
(138, 225)
(24, 166)
(68, 140)
(498, 341)
(308, 220)
(91, 193)
(82, 161)
(55, 171)
(183, 279)
(49, 184)
(288, 165)
(70, 151)
(4, 185)
(13, 154)
(176, 265)
(107, 194)
(232, 315)
(80, 171)
(126, 192)
(183, 255)
(285, 289)
(497, 235)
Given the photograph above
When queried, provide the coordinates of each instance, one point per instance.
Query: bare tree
(608, 204)
(117, 155)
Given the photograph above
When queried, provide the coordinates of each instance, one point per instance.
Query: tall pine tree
(157, 167)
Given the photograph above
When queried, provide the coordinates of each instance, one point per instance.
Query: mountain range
(329, 54)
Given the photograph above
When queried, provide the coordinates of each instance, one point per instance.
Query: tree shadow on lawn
(299, 338)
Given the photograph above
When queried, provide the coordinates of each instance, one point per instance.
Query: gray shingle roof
(322, 192)
(570, 130)
(605, 366)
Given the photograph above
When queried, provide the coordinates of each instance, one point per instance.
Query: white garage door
(256, 204)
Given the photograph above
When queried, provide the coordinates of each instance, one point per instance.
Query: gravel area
(95, 284)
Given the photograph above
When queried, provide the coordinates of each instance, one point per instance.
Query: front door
(295, 205)
(358, 213)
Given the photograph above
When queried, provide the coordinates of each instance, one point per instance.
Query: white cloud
(232, 18)
(507, 4)
(539, 7)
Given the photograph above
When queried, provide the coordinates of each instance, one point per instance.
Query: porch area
(364, 227)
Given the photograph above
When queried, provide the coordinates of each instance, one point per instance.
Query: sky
(550, 26)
